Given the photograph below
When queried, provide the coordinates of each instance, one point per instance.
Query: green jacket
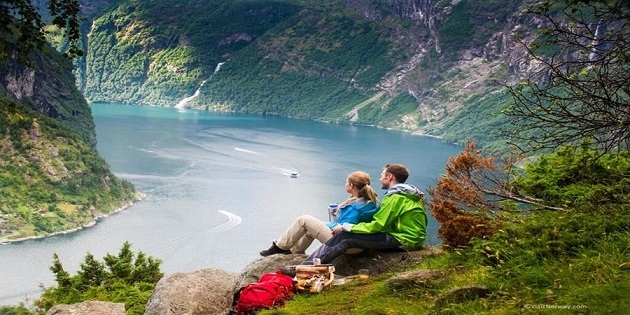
(401, 215)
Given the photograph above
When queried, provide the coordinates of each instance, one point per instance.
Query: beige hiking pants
(300, 235)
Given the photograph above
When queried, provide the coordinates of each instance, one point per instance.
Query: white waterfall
(185, 100)
(218, 67)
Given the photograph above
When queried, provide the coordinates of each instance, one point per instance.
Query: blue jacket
(358, 211)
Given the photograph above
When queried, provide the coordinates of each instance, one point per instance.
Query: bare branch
(583, 88)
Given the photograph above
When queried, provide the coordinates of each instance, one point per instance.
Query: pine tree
(92, 273)
(62, 277)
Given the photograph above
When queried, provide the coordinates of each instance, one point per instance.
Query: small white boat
(294, 174)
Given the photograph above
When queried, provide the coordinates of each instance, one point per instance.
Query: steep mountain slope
(414, 65)
(157, 52)
(51, 177)
(48, 88)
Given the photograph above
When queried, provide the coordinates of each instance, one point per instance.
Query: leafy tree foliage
(92, 273)
(22, 27)
(63, 278)
(127, 277)
(579, 180)
(582, 89)
(458, 200)
(475, 188)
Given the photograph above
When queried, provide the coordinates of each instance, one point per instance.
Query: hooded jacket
(355, 212)
(401, 214)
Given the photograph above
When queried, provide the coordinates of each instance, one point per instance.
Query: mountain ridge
(423, 62)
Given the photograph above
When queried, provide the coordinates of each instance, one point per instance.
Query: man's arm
(382, 218)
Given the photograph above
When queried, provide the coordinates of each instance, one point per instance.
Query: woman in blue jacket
(360, 207)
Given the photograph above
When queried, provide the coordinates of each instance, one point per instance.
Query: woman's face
(348, 186)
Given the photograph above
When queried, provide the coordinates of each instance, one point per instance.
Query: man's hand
(337, 229)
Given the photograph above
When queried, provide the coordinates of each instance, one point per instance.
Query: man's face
(386, 179)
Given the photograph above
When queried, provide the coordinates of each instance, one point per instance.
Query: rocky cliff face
(51, 177)
(473, 48)
(425, 12)
(48, 87)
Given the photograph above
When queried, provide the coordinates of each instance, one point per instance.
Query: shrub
(126, 278)
(459, 202)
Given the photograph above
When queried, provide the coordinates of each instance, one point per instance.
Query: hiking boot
(274, 249)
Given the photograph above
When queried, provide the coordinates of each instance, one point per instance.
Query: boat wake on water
(291, 172)
(246, 151)
(233, 221)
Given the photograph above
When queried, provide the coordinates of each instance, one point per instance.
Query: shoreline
(215, 110)
(139, 196)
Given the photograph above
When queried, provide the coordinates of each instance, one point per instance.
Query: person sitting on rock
(399, 224)
(360, 207)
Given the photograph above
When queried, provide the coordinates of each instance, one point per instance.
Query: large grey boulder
(88, 308)
(207, 291)
(379, 262)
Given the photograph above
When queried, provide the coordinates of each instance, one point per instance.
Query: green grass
(591, 279)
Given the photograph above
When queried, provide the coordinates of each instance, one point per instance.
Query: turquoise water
(218, 187)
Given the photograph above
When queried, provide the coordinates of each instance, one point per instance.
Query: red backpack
(272, 289)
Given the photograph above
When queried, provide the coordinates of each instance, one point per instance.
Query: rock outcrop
(206, 291)
(48, 87)
(211, 291)
(88, 307)
(379, 262)
(254, 269)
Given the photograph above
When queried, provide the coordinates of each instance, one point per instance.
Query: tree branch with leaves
(469, 199)
(22, 28)
(458, 201)
(582, 88)
(473, 190)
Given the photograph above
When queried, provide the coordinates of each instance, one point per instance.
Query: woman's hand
(337, 229)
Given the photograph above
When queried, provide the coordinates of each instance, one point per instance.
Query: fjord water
(218, 187)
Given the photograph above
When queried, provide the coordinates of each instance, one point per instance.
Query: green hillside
(392, 65)
(50, 179)
(156, 52)
(51, 176)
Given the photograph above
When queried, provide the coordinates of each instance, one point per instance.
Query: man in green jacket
(400, 223)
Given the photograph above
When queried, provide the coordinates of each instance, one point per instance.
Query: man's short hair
(399, 172)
